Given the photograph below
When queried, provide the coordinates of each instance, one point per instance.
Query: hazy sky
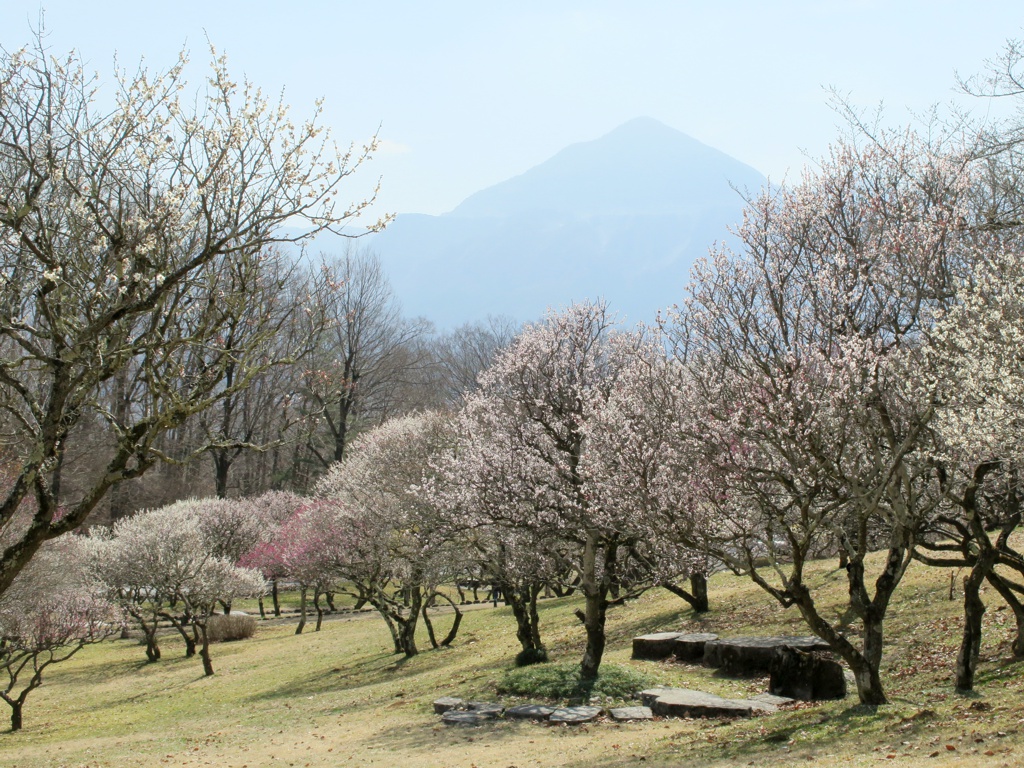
(470, 93)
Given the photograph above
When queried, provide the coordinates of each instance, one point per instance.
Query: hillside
(339, 697)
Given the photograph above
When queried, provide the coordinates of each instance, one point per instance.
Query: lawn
(339, 697)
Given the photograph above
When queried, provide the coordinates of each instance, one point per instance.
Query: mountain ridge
(621, 217)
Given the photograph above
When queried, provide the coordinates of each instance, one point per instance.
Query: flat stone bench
(747, 656)
(660, 645)
(690, 646)
(684, 702)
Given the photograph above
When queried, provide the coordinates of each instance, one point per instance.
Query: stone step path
(661, 701)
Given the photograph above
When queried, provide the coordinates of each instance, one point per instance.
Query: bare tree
(463, 354)
(368, 355)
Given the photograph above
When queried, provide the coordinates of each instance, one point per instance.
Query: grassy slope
(340, 698)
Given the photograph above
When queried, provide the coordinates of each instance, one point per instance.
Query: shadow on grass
(368, 673)
(433, 736)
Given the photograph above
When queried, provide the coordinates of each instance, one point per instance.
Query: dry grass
(339, 697)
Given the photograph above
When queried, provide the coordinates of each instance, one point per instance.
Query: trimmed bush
(233, 626)
(562, 682)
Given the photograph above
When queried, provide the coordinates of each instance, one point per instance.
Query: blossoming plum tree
(52, 610)
(392, 549)
(159, 564)
(810, 399)
(524, 457)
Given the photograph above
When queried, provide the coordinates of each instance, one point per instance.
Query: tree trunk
(276, 597)
(524, 608)
(152, 646)
(302, 611)
(380, 603)
(697, 597)
(866, 674)
(1005, 592)
(430, 627)
(970, 645)
(453, 632)
(16, 705)
(596, 603)
(204, 652)
(181, 626)
(407, 627)
(263, 610)
(319, 610)
(699, 588)
(221, 467)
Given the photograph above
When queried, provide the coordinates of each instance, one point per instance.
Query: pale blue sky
(469, 93)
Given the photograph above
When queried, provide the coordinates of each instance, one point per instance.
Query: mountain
(622, 217)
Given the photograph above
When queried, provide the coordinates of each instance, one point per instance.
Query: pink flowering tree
(52, 610)
(810, 401)
(273, 509)
(303, 549)
(641, 472)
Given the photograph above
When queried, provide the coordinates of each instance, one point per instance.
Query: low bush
(562, 682)
(531, 656)
(233, 626)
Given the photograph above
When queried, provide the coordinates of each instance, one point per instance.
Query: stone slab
(684, 702)
(771, 698)
(575, 715)
(446, 703)
(529, 712)
(622, 714)
(689, 646)
(648, 696)
(655, 646)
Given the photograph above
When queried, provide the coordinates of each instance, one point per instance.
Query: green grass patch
(562, 682)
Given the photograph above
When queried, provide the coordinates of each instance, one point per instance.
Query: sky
(468, 93)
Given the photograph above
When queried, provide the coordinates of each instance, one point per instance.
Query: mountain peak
(642, 166)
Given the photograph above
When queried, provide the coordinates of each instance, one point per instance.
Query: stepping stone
(654, 647)
(622, 714)
(488, 708)
(575, 715)
(457, 717)
(446, 703)
(529, 712)
(683, 702)
(690, 646)
(648, 696)
(747, 656)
